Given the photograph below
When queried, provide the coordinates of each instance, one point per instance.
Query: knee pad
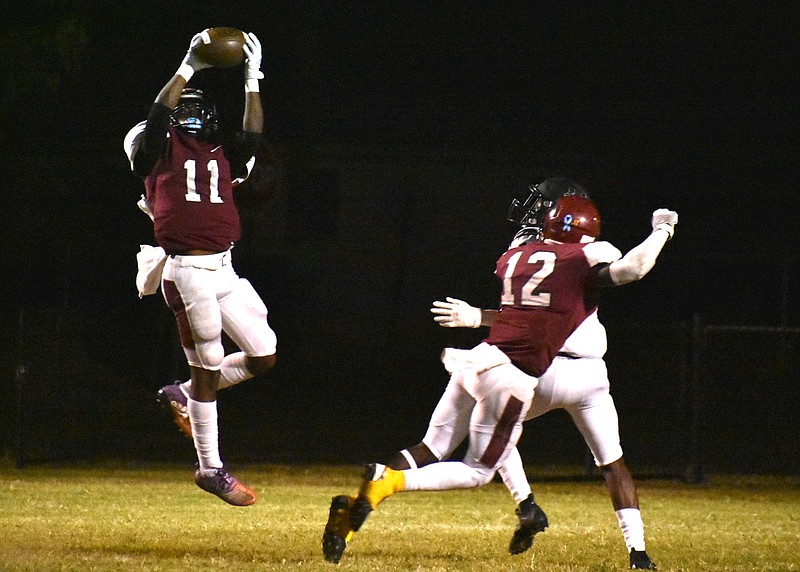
(210, 354)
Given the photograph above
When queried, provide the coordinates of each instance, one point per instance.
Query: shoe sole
(239, 495)
(333, 545)
(524, 536)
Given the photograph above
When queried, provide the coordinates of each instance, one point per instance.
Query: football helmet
(573, 219)
(542, 197)
(194, 113)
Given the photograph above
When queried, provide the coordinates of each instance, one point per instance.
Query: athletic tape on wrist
(251, 86)
(185, 71)
(665, 227)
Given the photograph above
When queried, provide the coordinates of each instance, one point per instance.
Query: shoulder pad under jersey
(601, 252)
(133, 140)
(239, 180)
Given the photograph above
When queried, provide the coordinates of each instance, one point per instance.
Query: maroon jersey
(547, 292)
(190, 191)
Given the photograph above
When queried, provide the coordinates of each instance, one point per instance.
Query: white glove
(665, 219)
(252, 51)
(191, 63)
(456, 314)
(145, 207)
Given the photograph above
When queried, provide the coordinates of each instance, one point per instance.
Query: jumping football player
(189, 173)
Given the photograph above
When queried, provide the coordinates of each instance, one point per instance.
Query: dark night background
(396, 136)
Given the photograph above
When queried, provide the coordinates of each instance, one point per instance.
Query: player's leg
(531, 518)
(596, 418)
(244, 319)
(191, 291)
(502, 396)
(448, 427)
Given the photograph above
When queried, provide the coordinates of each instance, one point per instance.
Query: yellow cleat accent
(381, 482)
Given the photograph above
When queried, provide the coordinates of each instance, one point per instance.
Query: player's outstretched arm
(640, 259)
(454, 313)
(170, 94)
(253, 120)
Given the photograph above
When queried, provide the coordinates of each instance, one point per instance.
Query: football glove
(191, 63)
(456, 314)
(665, 219)
(252, 51)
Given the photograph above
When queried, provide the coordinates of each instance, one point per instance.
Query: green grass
(118, 517)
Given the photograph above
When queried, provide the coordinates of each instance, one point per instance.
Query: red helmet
(573, 219)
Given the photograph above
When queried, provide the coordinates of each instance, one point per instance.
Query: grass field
(121, 517)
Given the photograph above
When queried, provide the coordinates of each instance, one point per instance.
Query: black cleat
(337, 529)
(641, 561)
(359, 513)
(172, 399)
(532, 520)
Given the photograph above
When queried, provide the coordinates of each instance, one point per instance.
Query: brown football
(221, 47)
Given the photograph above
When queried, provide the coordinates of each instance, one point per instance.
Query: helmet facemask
(194, 114)
(529, 214)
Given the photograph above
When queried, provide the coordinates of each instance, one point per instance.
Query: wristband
(185, 71)
(665, 227)
(251, 86)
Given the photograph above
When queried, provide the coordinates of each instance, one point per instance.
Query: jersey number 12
(527, 294)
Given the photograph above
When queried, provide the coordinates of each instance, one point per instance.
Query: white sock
(632, 527)
(513, 474)
(445, 475)
(205, 433)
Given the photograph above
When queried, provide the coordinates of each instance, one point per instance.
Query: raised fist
(665, 219)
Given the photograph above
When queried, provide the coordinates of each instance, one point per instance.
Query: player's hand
(190, 59)
(456, 314)
(252, 52)
(665, 219)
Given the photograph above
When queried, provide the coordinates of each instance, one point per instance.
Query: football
(221, 47)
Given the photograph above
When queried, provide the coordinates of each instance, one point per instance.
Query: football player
(447, 428)
(190, 172)
(550, 288)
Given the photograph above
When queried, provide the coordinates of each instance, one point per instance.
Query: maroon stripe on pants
(502, 432)
(175, 302)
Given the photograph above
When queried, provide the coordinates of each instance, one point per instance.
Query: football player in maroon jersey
(190, 172)
(550, 291)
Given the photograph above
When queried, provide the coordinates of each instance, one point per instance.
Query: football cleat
(379, 483)
(641, 561)
(172, 398)
(337, 530)
(532, 520)
(226, 487)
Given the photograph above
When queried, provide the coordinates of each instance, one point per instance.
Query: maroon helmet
(573, 219)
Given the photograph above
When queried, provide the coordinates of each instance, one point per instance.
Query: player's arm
(154, 137)
(242, 150)
(640, 259)
(454, 313)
